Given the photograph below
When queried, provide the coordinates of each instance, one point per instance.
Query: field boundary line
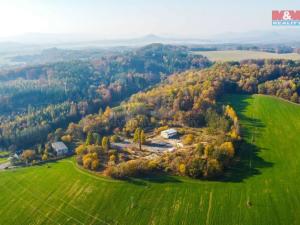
(209, 208)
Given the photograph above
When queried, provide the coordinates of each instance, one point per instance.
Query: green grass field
(267, 176)
(3, 160)
(4, 153)
(3, 156)
(238, 55)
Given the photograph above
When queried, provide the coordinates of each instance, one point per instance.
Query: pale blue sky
(124, 18)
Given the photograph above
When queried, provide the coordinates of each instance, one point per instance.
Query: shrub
(132, 168)
(213, 168)
(153, 164)
(188, 139)
(113, 172)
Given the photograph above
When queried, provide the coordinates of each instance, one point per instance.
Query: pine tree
(139, 137)
(136, 135)
(89, 139)
(98, 140)
(105, 143)
(200, 149)
(142, 137)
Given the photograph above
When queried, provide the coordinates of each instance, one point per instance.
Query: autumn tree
(136, 135)
(131, 125)
(45, 155)
(295, 97)
(182, 169)
(87, 161)
(108, 112)
(105, 143)
(80, 149)
(95, 164)
(139, 137)
(228, 148)
(142, 137)
(66, 138)
(93, 149)
(91, 161)
(114, 138)
(28, 155)
(214, 168)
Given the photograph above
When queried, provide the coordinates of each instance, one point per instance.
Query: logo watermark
(286, 17)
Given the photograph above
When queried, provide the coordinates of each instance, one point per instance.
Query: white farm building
(60, 148)
(168, 133)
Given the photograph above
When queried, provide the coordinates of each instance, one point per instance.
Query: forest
(53, 95)
(90, 105)
(187, 100)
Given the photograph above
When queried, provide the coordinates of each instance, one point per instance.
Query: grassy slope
(237, 55)
(267, 176)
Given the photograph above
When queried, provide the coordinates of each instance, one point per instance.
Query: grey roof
(59, 146)
(170, 131)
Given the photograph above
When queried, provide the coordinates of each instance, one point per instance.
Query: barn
(168, 133)
(60, 148)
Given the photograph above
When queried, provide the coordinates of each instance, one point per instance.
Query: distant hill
(79, 41)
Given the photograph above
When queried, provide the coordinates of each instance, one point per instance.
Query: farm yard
(264, 188)
(156, 145)
(238, 55)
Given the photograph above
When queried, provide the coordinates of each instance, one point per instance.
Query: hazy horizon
(133, 18)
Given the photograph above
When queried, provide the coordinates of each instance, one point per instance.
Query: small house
(168, 133)
(60, 148)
